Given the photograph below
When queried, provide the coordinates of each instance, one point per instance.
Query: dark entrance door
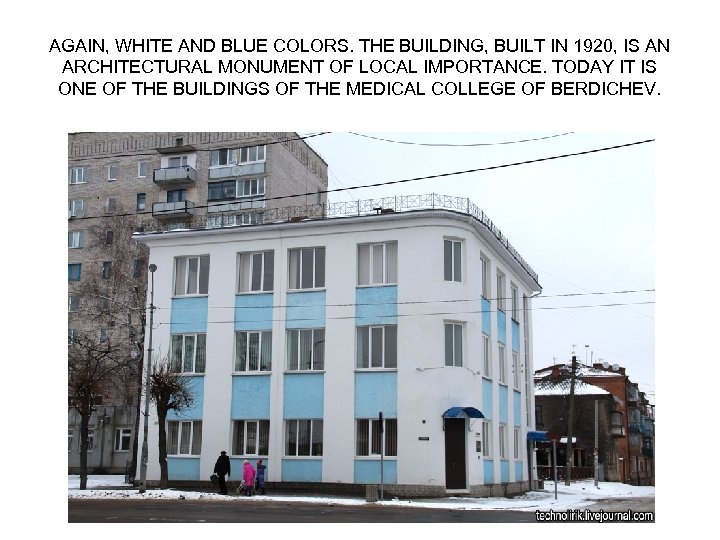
(455, 453)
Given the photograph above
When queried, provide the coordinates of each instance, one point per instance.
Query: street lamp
(144, 455)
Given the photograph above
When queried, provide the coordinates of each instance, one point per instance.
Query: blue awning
(537, 436)
(463, 412)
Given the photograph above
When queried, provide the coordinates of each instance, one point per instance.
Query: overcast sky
(584, 223)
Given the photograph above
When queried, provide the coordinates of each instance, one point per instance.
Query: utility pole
(148, 360)
(569, 451)
(595, 452)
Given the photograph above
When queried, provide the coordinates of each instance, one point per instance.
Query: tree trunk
(84, 423)
(162, 449)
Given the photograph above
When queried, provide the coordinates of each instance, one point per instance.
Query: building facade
(384, 345)
(119, 183)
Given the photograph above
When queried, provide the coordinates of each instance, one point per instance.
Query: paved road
(154, 511)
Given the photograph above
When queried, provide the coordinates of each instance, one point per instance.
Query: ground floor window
(70, 438)
(368, 437)
(184, 438)
(250, 437)
(303, 437)
(122, 439)
(486, 440)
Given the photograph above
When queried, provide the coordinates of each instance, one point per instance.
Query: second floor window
(502, 364)
(191, 275)
(253, 351)
(306, 350)
(487, 359)
(307, 268)
(453, 344)
(122, 439)
(187, 353)
(377, 347)
(377, 263)
(256, 271)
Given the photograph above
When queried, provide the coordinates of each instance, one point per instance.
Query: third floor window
(377, 263)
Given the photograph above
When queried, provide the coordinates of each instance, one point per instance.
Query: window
(122, 439)
(179, 141)
(500, 291)
(250, 437)
(91, 439)
(72, 334)
(142, 169)
(191, 275)
(177, 161)
(184, 438)
(106, 269)
(502, 436)
(112, 170)
(486, 440)
(78, 175)
(137, 267)
(514, 305)
(516, 443)
(74, 270)
(538, 415)
(223, 156)
(453, 260)
(487, 358)
(253, 351)
(502, 363)
(303, 437)
(377, 263)
(73, 303)
(110, 205)
(102, 335)
(307, 268)
(109, 237)
(485, 276)
(104, 305)
(231, 189)
(76, 239)
(71, 432)
(306, 350)
(252, 153)
(76, 208)
(453, 344)
(377, 347)
(140, 200)
(175, 195)
(368, 437)
(255, 271)
(187, 353)
(516, 369)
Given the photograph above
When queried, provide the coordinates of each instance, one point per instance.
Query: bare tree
(171, 392)
(93, 368)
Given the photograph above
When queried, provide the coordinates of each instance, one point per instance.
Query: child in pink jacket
(248, 477)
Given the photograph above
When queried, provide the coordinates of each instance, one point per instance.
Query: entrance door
(455, 453)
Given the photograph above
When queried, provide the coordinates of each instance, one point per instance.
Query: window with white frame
(251, 437)
(71, 433)
(91, 439)
(502, 440)
(184, 438)
(223, 157)
(122, 439)
(74, 271)
(76, 208)
(303, 437)
(112, 172)
(255, 271)
(502, 363)
(369, 437)
(76, 239)
(500, 294)
(78, 175)
(140, 201)
(486, 438)
(306, 349)
(377, 347)
(307, 268)
(191, 275)
(453, 260)
(454, 344)
(485, 276)
(514, 302)
(516, 369)
(142, 169)
(377, 263)
(517, 443)
(73, 302)
(233, 189)
(487, 357)
(177, 161)
(187, 353)
(253, 351)
(251, 154)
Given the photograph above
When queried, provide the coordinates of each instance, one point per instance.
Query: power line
(459, 144)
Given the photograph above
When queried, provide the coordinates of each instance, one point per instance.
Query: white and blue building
(393, 345)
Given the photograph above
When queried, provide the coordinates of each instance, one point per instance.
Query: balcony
(217, 173)
(174, 176)
(617, 431)
(236, 205)
(173, 210)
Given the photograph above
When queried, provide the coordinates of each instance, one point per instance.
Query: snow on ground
(577, 495)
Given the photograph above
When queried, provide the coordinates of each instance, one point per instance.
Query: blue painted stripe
(196, 385)
(502, 327)
(188, 315)
(301, 470)
(519, 469)
(305, 309)
(367, 471)
(488, 471)
(504, 471)
(183, 468)
(254, 311)
(376, 392)
(486, 311)
(517, 409)
(503, 403)
(250, 397)
(303, 395)
(487, 398)
(516, 336)
(376, 305)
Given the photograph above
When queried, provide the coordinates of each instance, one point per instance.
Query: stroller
(248, 491)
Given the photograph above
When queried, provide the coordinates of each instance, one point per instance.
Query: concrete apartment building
(387, 339)
(119, 183)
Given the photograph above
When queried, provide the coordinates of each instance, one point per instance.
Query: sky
(585, 223)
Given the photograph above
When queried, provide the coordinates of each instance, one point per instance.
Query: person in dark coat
(260, 478)
(222, 467)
